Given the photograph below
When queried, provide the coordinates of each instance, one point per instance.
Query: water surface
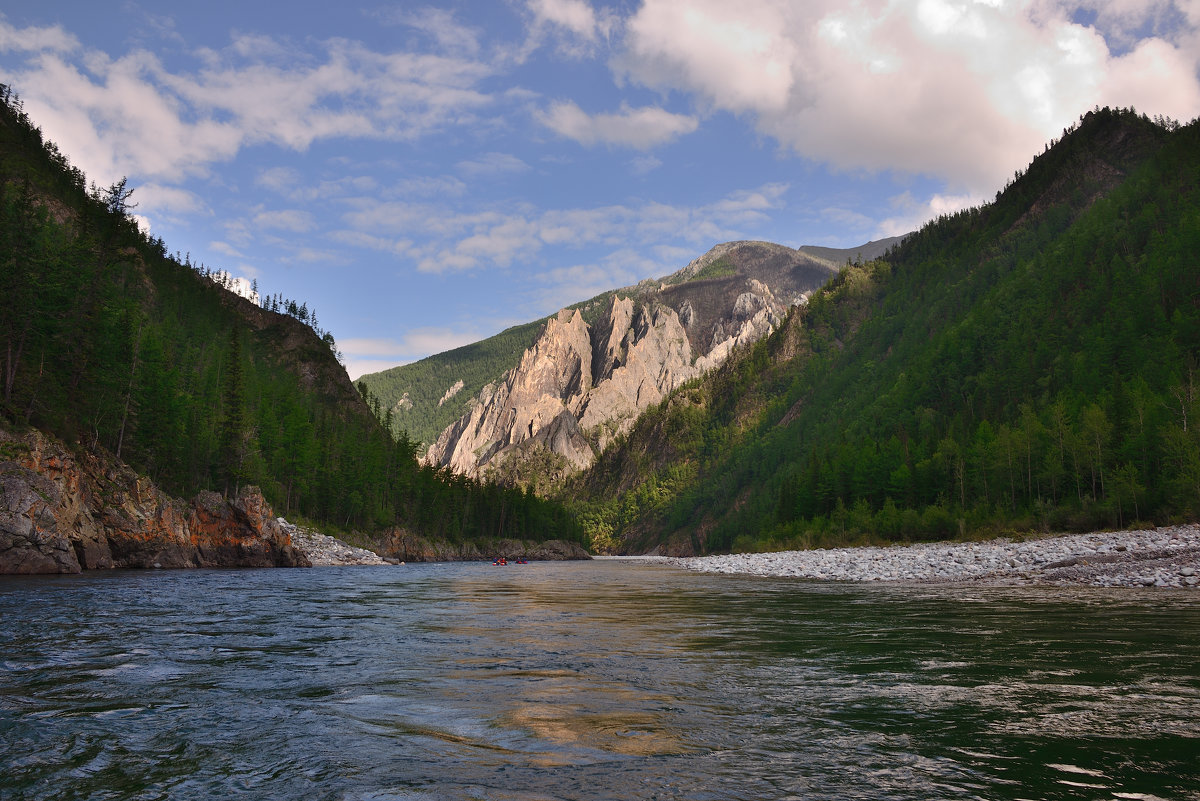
(605, 680)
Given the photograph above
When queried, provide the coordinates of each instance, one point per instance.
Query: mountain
(593, 369)
(545, 411)
(119, 352)
(1030, 364)
(426, 397)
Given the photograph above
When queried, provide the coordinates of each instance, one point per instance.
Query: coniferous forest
(109, 341)
(1029, 364)
(1032, 364)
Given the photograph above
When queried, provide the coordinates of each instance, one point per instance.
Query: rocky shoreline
(65, 511)
(325, 551)
(1163, 557)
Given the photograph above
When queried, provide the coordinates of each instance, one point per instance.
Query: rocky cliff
(580, 385)
(62, 513)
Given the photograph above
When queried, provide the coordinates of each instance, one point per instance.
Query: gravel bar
(1163, 557)
(325, 551)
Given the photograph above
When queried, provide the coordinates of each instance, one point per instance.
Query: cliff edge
(62, 512)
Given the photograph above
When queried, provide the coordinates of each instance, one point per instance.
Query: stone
(62, 512)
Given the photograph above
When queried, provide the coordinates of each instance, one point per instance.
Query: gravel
(1163, 557)
(323, 550)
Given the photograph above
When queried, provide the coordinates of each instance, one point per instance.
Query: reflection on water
(589, 681)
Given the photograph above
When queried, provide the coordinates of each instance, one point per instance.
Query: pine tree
(235, 424)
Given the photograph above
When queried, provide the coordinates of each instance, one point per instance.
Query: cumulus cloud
(738, 55)
(964, 90)
(35, 39)
(639, 128)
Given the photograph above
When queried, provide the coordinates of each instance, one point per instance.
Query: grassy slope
(426, 382)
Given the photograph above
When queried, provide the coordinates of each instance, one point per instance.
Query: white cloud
(575, 27)
(639, 128)
(563, 286)
(156, 198)
(237, 284)
(131, 115)
(912, 213)
(1151, 74)
(476, 241)
(34, 39)
(373, 355)
(492, 164)
(847, 218)
(294, 220)
(739, 55)
(226, 249)
(644, 165)
(429, 186)
(114, 122)
(278, 179)
(361, 239)
(574, 15)
(313, 255)
(959, 89)
(441, 25)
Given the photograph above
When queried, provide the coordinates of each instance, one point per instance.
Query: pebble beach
(1162, 557)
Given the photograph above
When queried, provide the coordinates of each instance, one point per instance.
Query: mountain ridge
(118, 350)
(427, 397)
(583, 382)
(1009, 367)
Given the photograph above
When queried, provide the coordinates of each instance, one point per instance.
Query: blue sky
(425, 175)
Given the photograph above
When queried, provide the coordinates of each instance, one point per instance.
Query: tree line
(1031, 364)
(109, 342)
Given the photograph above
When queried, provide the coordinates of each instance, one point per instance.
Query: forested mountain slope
(1030, 364)
(422, 399)
(593, 369)
(108, 341)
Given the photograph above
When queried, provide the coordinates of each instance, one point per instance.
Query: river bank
(325, 551)
(1163, 557)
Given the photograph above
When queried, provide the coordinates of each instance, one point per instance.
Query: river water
(603, 680)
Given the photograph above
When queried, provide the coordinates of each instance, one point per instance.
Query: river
(602, 680)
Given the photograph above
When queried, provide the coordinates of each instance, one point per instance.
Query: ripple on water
(601, 681)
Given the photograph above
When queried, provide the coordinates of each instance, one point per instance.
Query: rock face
(60, 513)
(579, 386)
(403, 546)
